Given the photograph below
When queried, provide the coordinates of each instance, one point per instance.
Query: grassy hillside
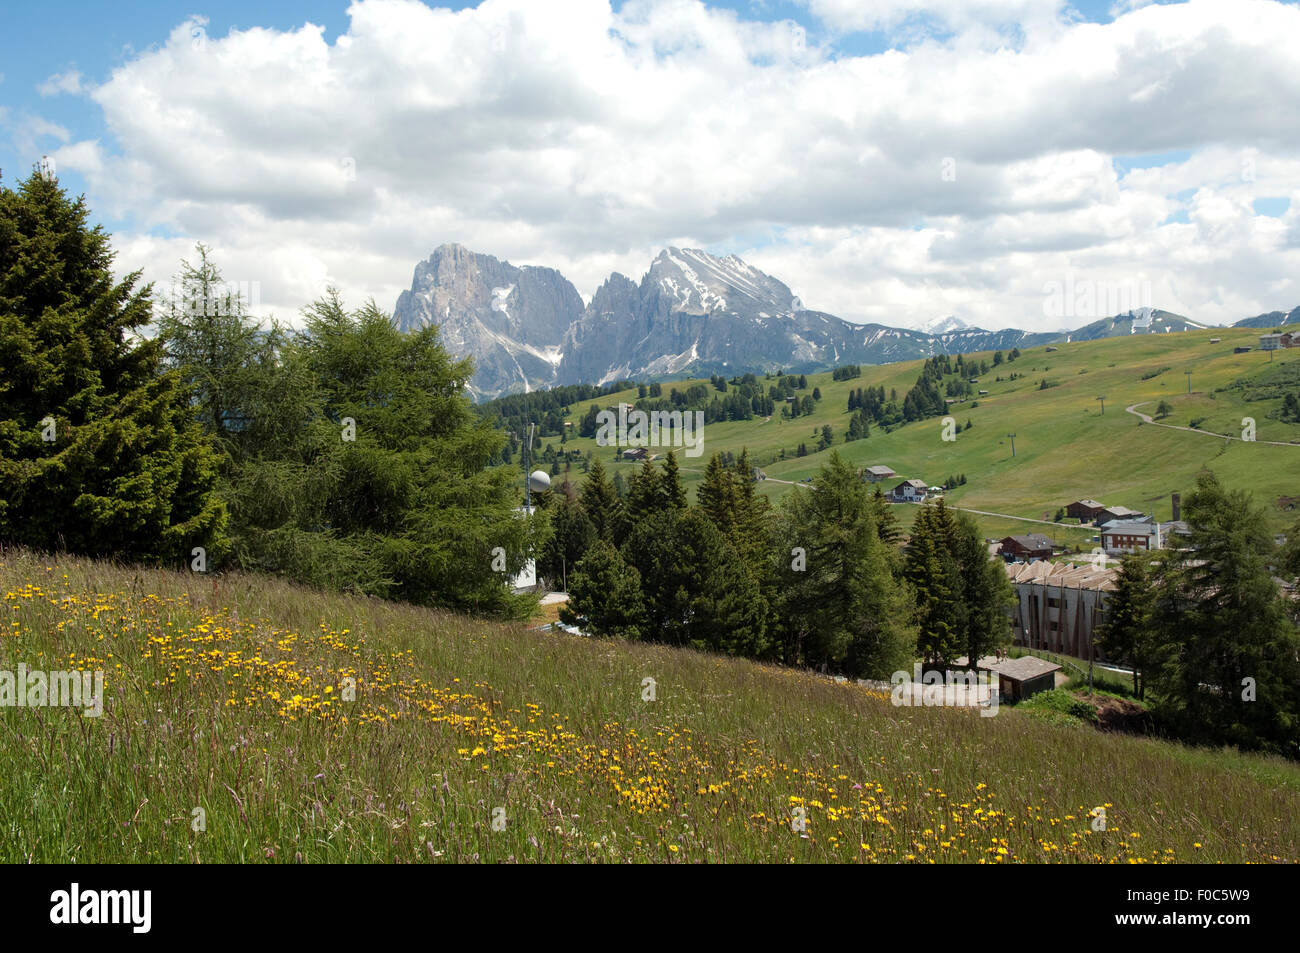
(227, 696)
(1065, 447)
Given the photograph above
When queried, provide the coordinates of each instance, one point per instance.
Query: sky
(1010, 163)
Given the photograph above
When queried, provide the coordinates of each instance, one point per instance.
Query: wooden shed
(1021, 678)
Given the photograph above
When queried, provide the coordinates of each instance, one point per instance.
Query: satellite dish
(539, 481)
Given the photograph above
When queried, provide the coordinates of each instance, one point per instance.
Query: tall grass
(227, 696)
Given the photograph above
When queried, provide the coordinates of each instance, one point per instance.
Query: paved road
(1008, 516)
(964, 509)
(1132, 409)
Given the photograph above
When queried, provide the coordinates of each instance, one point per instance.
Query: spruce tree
(986, 591)
(99, 450)
(1125, 634)
(935, 575)
(670, 484)
(572, 534)
(645, 494)
(1229, 672)
(841, 605)
(696, 590)
(605, 595)
(599, 500)
(716, 495)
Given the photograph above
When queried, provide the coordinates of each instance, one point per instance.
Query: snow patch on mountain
(944, 325)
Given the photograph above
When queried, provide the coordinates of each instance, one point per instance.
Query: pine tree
(605, 595)
(935, 576)
(670, 483)
(1125, 636)
(840, 606)
(99, 450)
(1229, 672)
(600, 501)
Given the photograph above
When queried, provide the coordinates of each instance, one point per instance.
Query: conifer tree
(605, 595)
(645, 493)
(599, 500)
(670, 483)
(932, 569)
(1229, 672)
(99, 450)
(716, 495)
(1125, 634)
(841, 605)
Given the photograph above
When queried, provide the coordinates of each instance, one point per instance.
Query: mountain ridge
(691, 314)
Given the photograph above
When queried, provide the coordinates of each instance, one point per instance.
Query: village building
(639, 453)
(1170, 533)
(1274, 342)
(1027, 547)
(1020, 678)
(1085, 511)
(910, 491)
(1059, 605)
(1112, 513)
(1129, 536)
(874, 474)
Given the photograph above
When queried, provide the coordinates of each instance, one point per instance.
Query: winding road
(1133, 409)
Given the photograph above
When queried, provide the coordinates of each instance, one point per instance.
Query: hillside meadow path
(1132, 409)
(964, 509)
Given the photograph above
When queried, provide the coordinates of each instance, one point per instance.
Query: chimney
(1176, 500)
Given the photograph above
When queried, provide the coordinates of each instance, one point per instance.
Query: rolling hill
(1066, 448)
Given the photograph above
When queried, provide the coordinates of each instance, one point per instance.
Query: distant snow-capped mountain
(944, 325)
(691, 314)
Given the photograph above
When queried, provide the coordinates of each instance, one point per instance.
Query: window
(1053, 603)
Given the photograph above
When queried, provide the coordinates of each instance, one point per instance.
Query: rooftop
(1032, 540)
(1018, 669)
(1087, 576)
(1129, 528)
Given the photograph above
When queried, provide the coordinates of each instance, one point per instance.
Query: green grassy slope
(229, 697)
(1065, 447)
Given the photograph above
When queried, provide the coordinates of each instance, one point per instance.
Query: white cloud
(66, 82)
(573, 136)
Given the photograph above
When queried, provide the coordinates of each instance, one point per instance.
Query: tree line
(1210, 635)
(344, 454)
(819, 581)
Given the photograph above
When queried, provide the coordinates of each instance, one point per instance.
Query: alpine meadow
(663, 431)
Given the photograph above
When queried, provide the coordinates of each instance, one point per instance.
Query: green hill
(228, 733)
(1066, 448)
